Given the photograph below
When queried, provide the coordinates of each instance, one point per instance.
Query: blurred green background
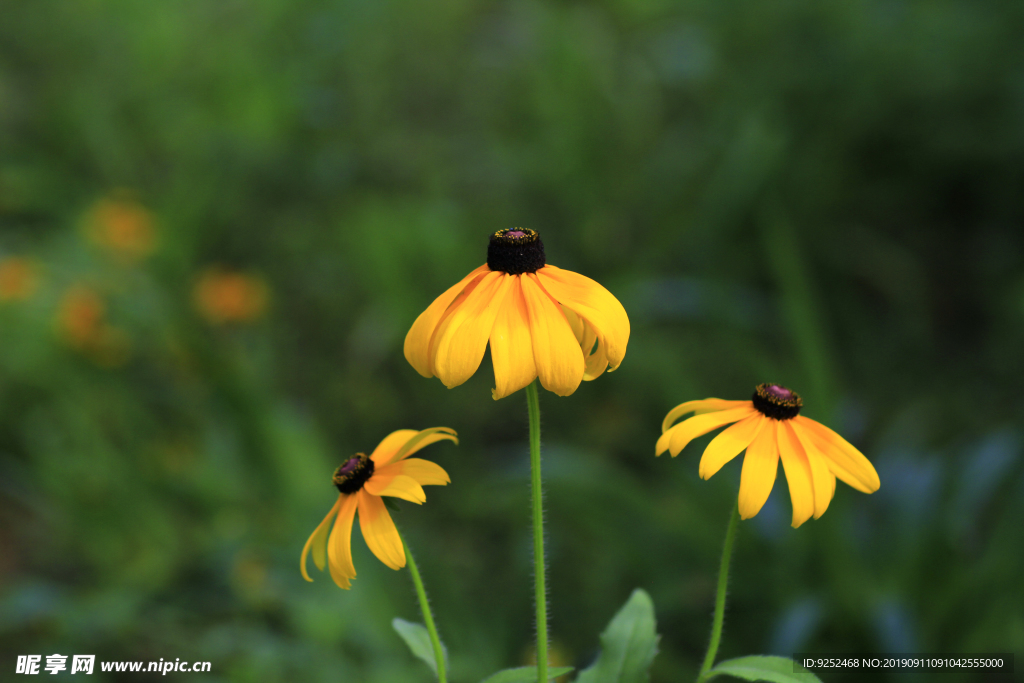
(219, 219)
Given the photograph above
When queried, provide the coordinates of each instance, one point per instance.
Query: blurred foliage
(218, 220)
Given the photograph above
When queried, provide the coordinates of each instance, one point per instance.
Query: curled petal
(707, 405)
(422, 439)
(317, 542)
(594, 354)
(423, 471)
(676, 438)
(389, 447)
(417, 340)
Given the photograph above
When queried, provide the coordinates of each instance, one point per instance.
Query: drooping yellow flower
(541, 321)
(769, 426)
(361, 481)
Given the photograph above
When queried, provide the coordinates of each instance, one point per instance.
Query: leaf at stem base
(417, 637)
(763, 668)
(628, 645)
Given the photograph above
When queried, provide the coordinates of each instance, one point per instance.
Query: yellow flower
(541, 321)
(770, 426)
(361, 481)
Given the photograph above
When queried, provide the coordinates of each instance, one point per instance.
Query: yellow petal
(596, 362)
(423, 471)
(576, 323)
(760, 465)
(688, 430)
(417, 340)
(594, 356)
(391, 482)
(593, 303)
(822, 480)
(388, 448)
(663, 441)
(556, 352)
(461, 337)
(729, 444)
(707, 405)
(845, 461)
(317, 541)
(421, 440)
(798, 474)
(379, 531)
(339, 545)
(512, 345)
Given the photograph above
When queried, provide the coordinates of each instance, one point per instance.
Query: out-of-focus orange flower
(81, 316)
(123, 227)
(19, 278)
(81, 321)
(230, 297)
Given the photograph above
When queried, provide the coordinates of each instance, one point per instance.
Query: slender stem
(541, 597)
(427, 616)
(723, 581)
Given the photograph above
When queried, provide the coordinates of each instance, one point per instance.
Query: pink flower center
(779, 392)
(349, 466)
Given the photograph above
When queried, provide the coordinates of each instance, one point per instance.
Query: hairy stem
(533, 408)
(723, 582)
(428, 617)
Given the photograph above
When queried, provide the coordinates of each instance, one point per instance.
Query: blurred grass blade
(417, 638)
(525, 674)
(764, 668)
(628, 645)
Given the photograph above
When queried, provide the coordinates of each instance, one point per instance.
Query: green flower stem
(723, 582)
(427, 616)
(533, 408)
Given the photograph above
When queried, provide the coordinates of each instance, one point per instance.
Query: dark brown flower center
(516, 251)
(777, 402)
(353, 473)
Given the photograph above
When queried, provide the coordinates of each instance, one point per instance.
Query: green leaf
(764, 668)
(417, 638)
(525, 674)
(391, 504)
(628, 645)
